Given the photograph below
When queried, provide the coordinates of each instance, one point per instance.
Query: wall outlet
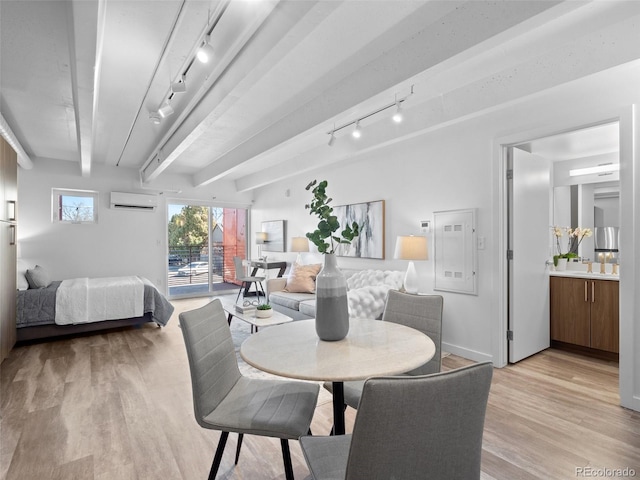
(481, 243)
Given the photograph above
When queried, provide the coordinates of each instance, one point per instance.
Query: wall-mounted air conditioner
(134, 201)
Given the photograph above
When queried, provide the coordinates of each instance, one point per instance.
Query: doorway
(534, 168)
(202, 242)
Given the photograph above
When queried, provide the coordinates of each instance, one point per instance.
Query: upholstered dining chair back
(422, 312)
(421, 427)
(212, 359)
(410, 428)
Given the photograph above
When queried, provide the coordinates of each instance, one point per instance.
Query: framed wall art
(370, 217)
(274, 241)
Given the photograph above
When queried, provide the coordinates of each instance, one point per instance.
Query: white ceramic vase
(332, 307)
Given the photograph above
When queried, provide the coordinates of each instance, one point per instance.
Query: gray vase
(332, 307)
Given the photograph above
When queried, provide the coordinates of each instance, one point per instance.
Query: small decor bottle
(332, 307)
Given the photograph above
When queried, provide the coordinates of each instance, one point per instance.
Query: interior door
(529, 240)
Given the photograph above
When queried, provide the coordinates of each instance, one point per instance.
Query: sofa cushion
(367, 278)
(308, 307)
(368, 302)
(290, 300)
(302, 278)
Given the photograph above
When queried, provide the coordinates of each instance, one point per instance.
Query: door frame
(629, 378)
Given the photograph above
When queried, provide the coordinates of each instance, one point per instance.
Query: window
(74, 206)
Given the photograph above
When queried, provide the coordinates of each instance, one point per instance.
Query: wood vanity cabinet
(585, 312)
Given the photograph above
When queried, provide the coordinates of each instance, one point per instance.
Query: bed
(39, 310)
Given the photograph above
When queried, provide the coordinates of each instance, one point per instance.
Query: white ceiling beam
(440, 40)
(589, 55)
(23, 159)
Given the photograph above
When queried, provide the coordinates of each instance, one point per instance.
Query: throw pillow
(302, 278)
(38, 277)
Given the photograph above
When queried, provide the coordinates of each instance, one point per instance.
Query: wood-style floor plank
(118, 406)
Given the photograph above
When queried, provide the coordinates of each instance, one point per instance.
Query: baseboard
(467, 353)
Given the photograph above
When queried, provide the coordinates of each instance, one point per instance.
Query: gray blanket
(37, 306)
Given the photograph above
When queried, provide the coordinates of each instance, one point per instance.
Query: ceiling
(80, 78)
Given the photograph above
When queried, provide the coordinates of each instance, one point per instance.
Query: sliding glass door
(202, 243)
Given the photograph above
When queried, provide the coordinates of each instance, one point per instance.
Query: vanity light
(604, 168)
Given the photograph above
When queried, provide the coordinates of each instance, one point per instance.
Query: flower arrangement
(575, 237)
(324, 237)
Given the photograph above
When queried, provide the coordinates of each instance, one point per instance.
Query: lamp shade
(261, 237)
(411, 248)
(299, 244)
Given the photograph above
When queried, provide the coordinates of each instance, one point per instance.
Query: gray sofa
(367, 291)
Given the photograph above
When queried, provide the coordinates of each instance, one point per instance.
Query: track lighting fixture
(180, 86)
(397, 117)
(357, 131)
(154, 118)
(165, 110)
(205, 53)
(332, 139)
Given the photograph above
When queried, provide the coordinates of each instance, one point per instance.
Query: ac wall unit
(134, 201)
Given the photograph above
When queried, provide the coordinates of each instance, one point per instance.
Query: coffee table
(250, 317)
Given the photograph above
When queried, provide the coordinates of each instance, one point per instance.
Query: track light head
(332, 139)
(180, 86)
(205, 53)
(154, 118)
(165, 110)
(357, 131)
(397, 117)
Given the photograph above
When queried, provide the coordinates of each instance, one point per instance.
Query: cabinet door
(570, 311)
(605, 313)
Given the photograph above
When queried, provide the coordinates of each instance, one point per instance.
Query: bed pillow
(302, 278)
(38, 277)
(21, 279)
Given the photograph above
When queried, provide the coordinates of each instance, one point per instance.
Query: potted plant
(264, 310)
(575, 237)
(332, 308)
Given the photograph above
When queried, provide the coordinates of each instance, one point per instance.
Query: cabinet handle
(12, 229)
(586, 297)
(593, 292)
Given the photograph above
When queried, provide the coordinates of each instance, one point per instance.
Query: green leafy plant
(324, 236)
(263, 306)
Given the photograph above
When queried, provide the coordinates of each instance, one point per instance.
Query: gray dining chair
(246, 280)
(225, 400)
(409, 428)
(422, 312)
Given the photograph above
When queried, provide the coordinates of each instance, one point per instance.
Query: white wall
(123, 242)
(415, 178)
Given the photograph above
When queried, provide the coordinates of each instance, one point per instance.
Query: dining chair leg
(218, 457)
(286, 456)
(240, 437)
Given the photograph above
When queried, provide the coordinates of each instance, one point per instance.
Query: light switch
(481, 243)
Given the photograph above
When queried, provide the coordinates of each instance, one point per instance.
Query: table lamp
(411, 248)
(299, 244)
(261, 239)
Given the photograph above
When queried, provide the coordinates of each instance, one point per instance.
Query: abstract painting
(370, 218)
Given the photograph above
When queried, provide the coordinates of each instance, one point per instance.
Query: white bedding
(84, 300)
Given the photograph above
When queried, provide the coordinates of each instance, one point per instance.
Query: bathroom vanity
(585, 311)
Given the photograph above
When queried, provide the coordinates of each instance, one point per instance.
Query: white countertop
(580, 274)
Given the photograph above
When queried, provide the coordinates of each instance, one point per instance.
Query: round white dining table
(371, 348)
